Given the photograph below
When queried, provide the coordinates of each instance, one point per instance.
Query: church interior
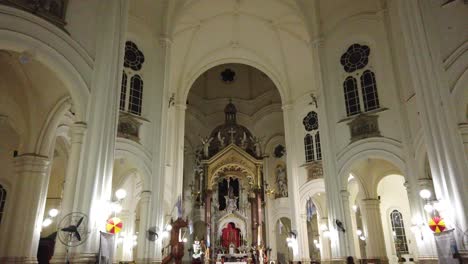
(234, 131)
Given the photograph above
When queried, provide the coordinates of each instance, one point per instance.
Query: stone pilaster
(375, 242)
(94, 186)
(143, 242)
(77, 132)
(29, 195)
(325, 252)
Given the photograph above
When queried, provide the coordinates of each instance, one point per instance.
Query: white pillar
(29, 195)
(293, 185)
(347, 222)
(304, 239)
(375, 242)
(160, 136)
(422, 235)
(441, 133)
(340, 247)
(325, 252)
(77, 132)
(128, 219)
(94, 186)
(143, 243)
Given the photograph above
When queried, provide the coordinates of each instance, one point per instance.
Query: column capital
(344, 193)
(145, 196)
(77, 131)
(370, 203)
(32, 163)
(287, 107)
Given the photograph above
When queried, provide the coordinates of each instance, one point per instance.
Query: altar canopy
(231, 234)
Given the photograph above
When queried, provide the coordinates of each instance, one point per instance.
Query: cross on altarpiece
(232, 132)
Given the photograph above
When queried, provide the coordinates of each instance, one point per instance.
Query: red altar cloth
(231, 234)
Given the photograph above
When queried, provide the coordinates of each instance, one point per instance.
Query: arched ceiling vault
(267, 34)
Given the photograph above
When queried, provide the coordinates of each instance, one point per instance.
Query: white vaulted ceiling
(267, 34)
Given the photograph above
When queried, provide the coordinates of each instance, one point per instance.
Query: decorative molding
(53, 11)
(129, 127)
(314, 170)
(364, 126)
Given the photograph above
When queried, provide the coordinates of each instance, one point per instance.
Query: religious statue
(197, 250)
(257, 144)
(231, 200)
(281, 181)
(221, 139)
(244, 141)
(206, 141)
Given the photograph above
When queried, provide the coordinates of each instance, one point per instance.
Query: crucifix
(232, 132)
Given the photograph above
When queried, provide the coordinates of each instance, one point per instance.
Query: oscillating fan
(151, 234)
(73, 229)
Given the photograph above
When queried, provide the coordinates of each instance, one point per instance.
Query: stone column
(94, 186)
(143, 243)
(258, 201)
(348, 235)
(442, 137)
(29, 195)
(208, 217)
(129, 229)
(372, 222)
(325, 252)
(290, 119)
(254, 219)
(77, 132)
(303, 240)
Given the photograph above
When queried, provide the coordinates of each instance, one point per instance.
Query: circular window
(310, 121)
(355, 58)
(134, 58)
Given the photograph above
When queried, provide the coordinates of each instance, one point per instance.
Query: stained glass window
(399, 234)
(310, 122)
(123, 92)
(132, 77)
(136, 93)
(3, 195)
(355, 58)
(318, 148)
(134, 58)
(351, 96)
(369, 91)
(309, 147)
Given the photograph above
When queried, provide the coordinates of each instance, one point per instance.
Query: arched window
(351, 96)
(313, 150)
(132, 77)
(369, 91)
(399, 234)
(309, 147)
(123, 92)
(318, 148)
(136, 94)
(356, 61)
(3, 194)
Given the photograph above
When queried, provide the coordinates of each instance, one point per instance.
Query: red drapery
(231, 234)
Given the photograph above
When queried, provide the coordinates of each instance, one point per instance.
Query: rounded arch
(127, 149)
(377, 148)
(239, 223)
(53, 48)
(235, 170)
(222, 58)
(310, 189)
